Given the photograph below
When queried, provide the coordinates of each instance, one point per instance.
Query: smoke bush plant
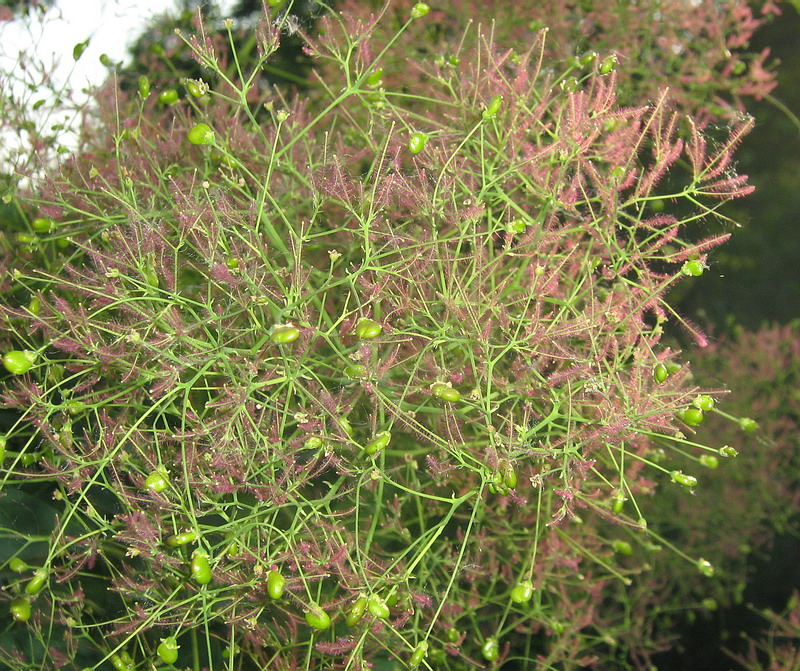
(310, 394)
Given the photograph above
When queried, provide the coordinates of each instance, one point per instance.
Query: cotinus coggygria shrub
(367, 375)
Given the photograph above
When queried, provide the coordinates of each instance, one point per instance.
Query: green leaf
(79, 48)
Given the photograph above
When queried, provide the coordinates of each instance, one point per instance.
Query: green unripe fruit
(168, 97)
(419, 10)
(704, 403)
(445, 392)
(42, 225)
(201, 569)
(490, 649)
(420, 652)
(18, 362)
(622, 547)
(20, 609)
(727, 451)
(355, 371)
(283, 335)
(493, 107)
(498, 481)
(660, 373)
(705, 567)
(183, 538)
(374, 77)
(378, 443)
(417, 142)
(144, 87)
(517, 226)
(168, 650)
(709, 461)
(195, 88)
(509, 475)
(356, 612)
(693, 268)
(36, 583)
(498, 488)
(313, 443)
(692, 416)
(119, 663)
(157, 481)
(522, 592)
(367, 329)
(608, 64)
(748, 425)
(275, 584)
(377, 606)
(200, 133)
(683, 479)
(17, 565)
(318, 618)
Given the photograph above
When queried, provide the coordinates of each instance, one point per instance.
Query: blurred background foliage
(755, 277)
